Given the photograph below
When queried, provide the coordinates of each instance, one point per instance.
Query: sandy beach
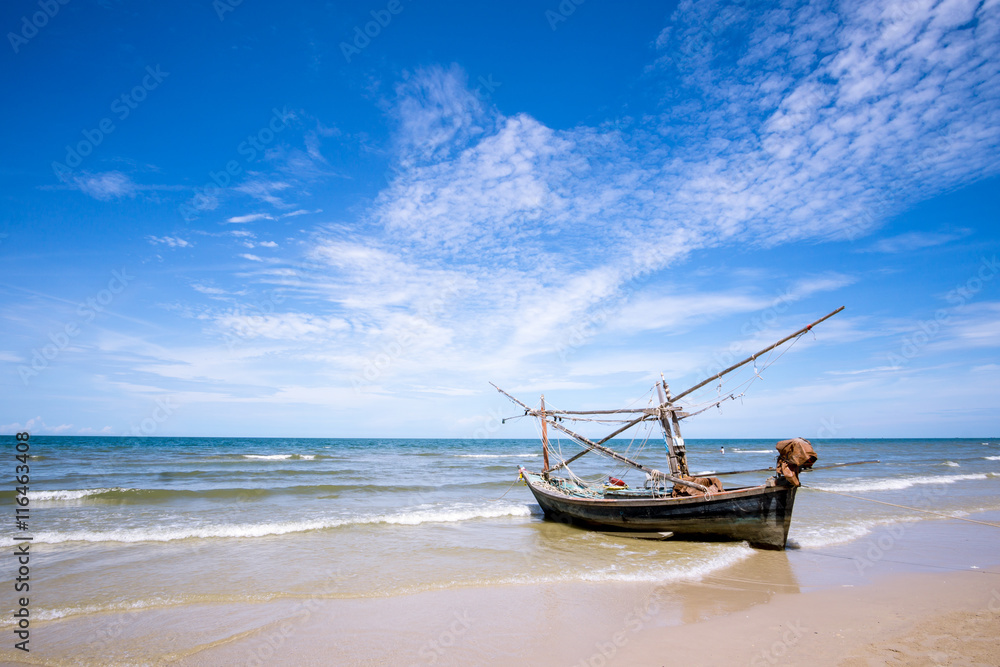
(931, 598)
(920, 594)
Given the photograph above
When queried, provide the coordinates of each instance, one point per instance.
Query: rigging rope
(905, 507)
(508, 489)
(745, 384)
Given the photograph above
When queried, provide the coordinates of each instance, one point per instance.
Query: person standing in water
(722, 450)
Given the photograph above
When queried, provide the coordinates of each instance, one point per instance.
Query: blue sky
(239, 219)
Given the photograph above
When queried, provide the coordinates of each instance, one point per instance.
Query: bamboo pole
(545, 441)
(529, 411)
(771, 469)
(596, 412)
(754, 356)
(680, 449)
(600, 442)
(653, 472)
(668, 435)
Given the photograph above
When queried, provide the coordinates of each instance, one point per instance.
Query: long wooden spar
(754, 356)
(647, 413)
(772, 468)
(669, 403)
(589, 444)
(599, 442)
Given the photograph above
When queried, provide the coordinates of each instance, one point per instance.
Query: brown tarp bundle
(794, 456)
(713, 484)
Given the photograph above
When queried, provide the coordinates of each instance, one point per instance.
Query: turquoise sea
(140, 523)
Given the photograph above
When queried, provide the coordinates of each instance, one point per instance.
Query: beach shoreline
(930, 594)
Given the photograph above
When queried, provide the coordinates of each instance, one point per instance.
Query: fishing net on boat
(794, 456)
(712, 483)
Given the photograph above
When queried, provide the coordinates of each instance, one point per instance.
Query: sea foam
(808, 537)
(497, 456)
(723, 556)
(902, 483)
(71, 494)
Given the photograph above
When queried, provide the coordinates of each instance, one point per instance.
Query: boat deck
(575, 489)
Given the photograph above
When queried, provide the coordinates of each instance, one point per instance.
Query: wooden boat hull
(760, 515)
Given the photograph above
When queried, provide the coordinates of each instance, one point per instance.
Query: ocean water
(139, 523)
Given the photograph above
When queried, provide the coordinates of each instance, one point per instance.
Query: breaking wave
(71, 494)
(808, 537)
(903, 483)
(725, 555)
(168, 534)
(129, 495)
(279, 457)
(497, 456)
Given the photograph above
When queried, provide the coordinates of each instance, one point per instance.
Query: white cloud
(171, 241)
(211, 291)
(838, 115)
(264, 190)
(268, 244)
(252, 258)
(279, 326)
(250, 217)
(976, 326)
(910, 241)
(986, 368)
(437, 113)
(35, 425)
(863, 371)
(104, 186)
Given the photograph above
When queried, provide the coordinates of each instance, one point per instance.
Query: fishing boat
(672, 504)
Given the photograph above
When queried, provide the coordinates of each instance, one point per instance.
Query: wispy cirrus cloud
(279, 326)
(911, 241)
(866, 103)
(250, 217)
(170, 241)
(497, 234)
(104, 186)
(264, 189)
(835, 116)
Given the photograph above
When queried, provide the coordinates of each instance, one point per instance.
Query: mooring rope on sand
(905, 507)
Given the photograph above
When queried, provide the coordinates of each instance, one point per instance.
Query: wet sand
(922, 593)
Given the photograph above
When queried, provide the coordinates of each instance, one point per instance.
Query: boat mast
(652, 472)
(593, 446)
(668, 436)
(676, 452)
(545, 442)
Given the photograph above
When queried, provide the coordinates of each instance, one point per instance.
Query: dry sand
(914, 619)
